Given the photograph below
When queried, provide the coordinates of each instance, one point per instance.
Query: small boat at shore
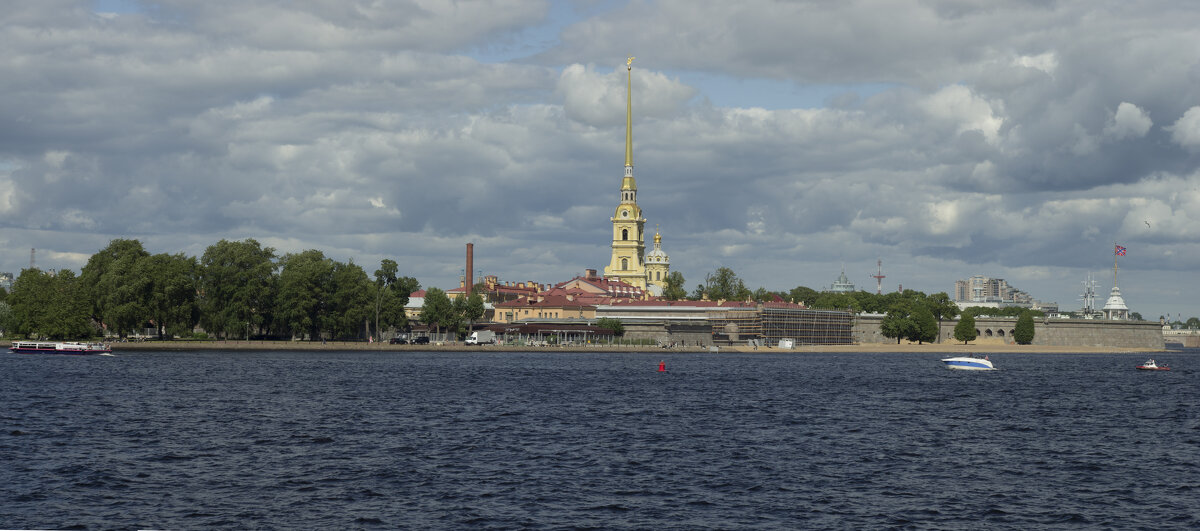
(1151, 365)
(969, 363)
(48, 347)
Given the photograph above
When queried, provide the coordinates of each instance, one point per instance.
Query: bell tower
(629, 240)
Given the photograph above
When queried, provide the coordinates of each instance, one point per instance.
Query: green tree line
(236, 289)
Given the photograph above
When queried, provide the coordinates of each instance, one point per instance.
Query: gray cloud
(1017, 140)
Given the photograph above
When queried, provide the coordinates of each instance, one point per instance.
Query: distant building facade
(842, 284)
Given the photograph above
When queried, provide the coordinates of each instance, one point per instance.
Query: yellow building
(629, 260)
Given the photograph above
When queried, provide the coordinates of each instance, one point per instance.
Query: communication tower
(879, 276)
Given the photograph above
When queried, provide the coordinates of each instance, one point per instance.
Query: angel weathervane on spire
(629, 63)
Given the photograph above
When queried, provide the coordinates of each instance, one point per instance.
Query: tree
(965, 329)
(1193, 322)
(303, 293)
(117, 286)
(436, 309)
(803, 295)
(385, 276)
(391, 296)
(49, 306)
(1136, 316)
(925, 327)
(869, 302)
(835, 301)
(673, 289)
(1011, 311)
(473, 310)
(349, 304)
(237, 287)
(171, 299)
(898, 322)
(618, 329)
(1023, 333)
(942, 306)
(724, 284)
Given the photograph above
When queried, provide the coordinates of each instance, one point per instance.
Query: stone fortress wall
(1049, 332)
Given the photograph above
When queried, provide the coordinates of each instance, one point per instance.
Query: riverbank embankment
(904, 347)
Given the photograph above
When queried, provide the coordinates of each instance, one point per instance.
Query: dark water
(552, 440)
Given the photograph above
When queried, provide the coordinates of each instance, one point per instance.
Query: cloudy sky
(786, 140)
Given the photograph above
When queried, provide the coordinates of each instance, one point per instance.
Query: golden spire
(629, 112)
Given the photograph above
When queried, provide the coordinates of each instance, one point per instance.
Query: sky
(788, 141)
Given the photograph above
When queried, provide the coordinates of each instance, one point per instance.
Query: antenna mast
(32, 255)
(879, 276)
(1089, 296)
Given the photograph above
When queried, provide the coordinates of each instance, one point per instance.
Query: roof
(546, 301)
(603, 285)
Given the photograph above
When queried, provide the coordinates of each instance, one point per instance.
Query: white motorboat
(969, 363)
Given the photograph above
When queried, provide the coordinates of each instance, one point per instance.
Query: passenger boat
(969, 363)
(1150, 365)
(47, 347)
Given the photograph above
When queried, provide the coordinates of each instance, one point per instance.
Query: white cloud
(957, 104)
(1046, 62)
(1186, 130)
(1130, 121)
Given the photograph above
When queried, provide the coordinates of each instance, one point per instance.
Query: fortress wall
(665, 332)
(1186, 338)
(1049, 332)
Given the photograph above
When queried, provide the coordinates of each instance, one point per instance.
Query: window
(624, 234)
(624, 264)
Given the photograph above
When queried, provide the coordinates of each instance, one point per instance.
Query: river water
(452, 440)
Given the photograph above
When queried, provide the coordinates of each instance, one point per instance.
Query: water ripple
(595, 441)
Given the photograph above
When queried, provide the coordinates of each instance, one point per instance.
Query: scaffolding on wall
(770, 324)
(736, 326)
(807, 327)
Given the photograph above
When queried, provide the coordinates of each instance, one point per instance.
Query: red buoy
(662, 366)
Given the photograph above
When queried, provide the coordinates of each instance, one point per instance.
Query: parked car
(423, 340)
(398, 341)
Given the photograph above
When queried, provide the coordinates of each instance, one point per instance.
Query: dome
(656, 255)
(1115, 301)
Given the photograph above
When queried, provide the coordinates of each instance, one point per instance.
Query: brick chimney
(470, 267)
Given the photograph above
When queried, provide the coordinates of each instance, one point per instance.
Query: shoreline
(939, 348)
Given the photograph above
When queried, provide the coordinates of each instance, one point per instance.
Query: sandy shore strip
(903, 347)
